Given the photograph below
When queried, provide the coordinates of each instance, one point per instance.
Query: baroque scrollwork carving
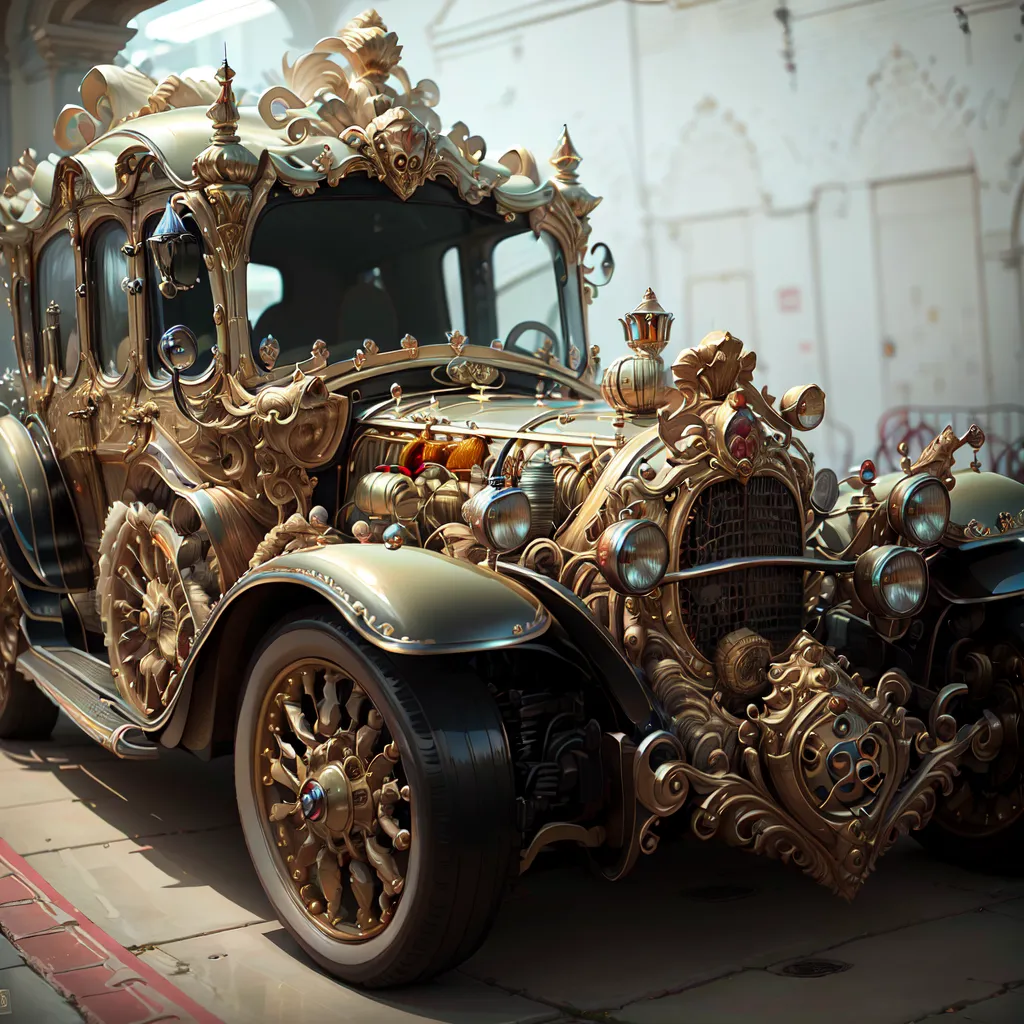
(822, 776)
(266, 442)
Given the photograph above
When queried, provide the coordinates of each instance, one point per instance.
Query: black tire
(25, 711)
(453, 752)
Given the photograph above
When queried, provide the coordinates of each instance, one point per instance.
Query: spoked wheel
(25, 712)
(379, 815)
(980, 824)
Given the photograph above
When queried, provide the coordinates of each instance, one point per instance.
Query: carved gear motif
(153, 600)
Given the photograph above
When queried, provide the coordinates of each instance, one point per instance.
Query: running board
(71, 680)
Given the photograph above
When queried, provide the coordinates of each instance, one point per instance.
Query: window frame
(65, 377)
(89, 273)
(154, 374)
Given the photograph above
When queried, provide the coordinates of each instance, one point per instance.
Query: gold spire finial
(565, 159)
(224, 112)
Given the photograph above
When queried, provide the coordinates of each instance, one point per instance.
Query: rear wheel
(980, 824)
(25, 712)
(379, 815)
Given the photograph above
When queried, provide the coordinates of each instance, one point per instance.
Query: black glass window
(31, 346)
(193, 308)
(55, 282)
(108, 269)
(355, 262)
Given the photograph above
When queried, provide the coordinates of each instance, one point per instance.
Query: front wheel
(379, 815)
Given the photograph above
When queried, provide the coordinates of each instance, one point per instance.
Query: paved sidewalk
(153, 854)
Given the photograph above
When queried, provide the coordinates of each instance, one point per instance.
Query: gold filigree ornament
(296, 533)
(266, 442)
(1008, 522)
(822, 775)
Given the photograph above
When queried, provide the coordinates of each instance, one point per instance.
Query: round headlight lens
(891, 582)
(499, 518)
(919, 509)
(803, 407)
(632, 555)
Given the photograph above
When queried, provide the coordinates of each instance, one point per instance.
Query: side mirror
(176, 253)
(178, 349)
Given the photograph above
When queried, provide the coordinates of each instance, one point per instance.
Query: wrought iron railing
(1003, 425)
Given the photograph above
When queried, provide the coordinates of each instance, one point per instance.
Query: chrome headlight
(498, 517)
(891, 582)
(919, 509)
(632, 555)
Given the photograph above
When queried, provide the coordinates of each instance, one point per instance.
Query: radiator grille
(730, 520)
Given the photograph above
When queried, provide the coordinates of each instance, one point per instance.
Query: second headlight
(498, 517)
(891, 582)
(632, 555)
(919, 509)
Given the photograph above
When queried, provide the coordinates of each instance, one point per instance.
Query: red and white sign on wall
(789, 300)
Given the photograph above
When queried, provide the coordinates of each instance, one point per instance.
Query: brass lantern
(631, 384)
(176, 253)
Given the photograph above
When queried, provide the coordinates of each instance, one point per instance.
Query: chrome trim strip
(732, 564)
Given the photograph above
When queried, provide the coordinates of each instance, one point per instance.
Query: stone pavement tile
(786, 916)
(32, 1001)
(903, 976)
(1012, 908)
(32, 830)
(1005, 1008)
(259, 974)
(9, 956)
(178, 788)
(160, 889)
(44, 784)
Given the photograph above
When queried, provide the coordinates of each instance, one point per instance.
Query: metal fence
(1003, 425)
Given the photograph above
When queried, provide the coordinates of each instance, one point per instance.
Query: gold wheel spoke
(285, 747)
(299, 725)
(363, 888)
(329, 873)
(131, 580)
(368, 735)
(307, 852)
(278, 812)
(279, 772)
(385, 866)
(328, 712)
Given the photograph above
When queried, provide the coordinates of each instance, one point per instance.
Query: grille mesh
(729, 520)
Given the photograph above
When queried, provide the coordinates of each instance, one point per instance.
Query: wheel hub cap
(313, 800)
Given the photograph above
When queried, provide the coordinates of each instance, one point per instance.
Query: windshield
(355, 262)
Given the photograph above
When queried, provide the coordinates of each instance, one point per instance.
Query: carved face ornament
(400, 149)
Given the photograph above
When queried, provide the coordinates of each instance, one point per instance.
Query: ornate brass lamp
(631, 384)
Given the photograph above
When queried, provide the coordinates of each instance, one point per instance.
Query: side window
(55, 282)
(193, 308)
(108, 268)
(31, 340)
(451, 269)
(526, 295)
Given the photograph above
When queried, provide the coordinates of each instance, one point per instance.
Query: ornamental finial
(224, 112)
(565, 159)
(225, 160)
(648, 327)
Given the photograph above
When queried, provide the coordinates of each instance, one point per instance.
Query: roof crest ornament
(225, 159)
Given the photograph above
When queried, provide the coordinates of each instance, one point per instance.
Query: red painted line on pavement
(100, 977)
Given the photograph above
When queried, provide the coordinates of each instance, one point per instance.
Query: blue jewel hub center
(312, 800)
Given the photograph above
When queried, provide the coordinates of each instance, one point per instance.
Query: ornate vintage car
(448, 602)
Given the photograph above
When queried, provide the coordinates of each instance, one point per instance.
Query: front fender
(406, 601)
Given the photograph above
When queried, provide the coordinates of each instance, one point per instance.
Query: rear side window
(108, 269)
(193, 308)
(55, 282)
